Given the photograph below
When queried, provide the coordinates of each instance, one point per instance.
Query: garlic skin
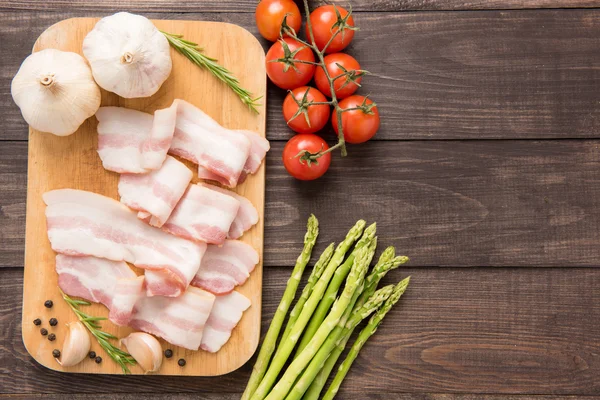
(128, 55)
(55, 91)
(145, 349)
(76, 345)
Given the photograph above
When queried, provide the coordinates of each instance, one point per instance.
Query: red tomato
(269, 15)
(357, 125)
(302, 169)
(297, 74)
(322, 20)
(318, 114)
(343, 86)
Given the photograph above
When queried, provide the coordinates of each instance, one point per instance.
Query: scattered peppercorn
(37, 322)
(92, 354)
(52, 337)
(44, 331)
(48, 304)
(53, 321)
(168, 353)
(56, 353)
(181, 362)
(98, 360)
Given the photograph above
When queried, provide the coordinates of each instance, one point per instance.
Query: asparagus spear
(312, 280)
(354, 282)
(372, 304)
(364, 335)
(270, 340)
(286, 347)
(386, 263)
(333, 288)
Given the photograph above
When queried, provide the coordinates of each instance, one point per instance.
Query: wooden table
(486, 172)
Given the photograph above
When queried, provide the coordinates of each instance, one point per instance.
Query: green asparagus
(333, 288)
(270, 340)
(372, 304)
(364, 335)
(286, 347)
(312, 280)
(354, 282)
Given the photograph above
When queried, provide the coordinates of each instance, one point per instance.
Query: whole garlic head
(55, 91)
(128, 55)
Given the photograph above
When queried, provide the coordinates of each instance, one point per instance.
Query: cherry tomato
(302, 169)
(357, 125)
(318, 114)
(322, 20)
(297, 74)
(269, 15)
(343, 86)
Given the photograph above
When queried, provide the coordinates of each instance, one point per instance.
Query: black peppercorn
(37, 322)
(53, 321)
(168, 353)
(92, 354)
(56, 353)
(48, 304)
(52, 337)
(44, 331)
(181, 362)
(98, 360)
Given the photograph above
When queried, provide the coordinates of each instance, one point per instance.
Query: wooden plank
(441, 75)
(64, 162)
(504, 331)
(248, 6)
(360, 395)
(473, 203)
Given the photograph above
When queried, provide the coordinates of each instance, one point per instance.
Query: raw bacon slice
(246, 217)
(225, 315)
(127, 292)
(178, 320)
(155, 194)
(203, 214)
(91, 278)
(225, 267)
(83, 223)
(258, 150)
(133, 141)
(200, 139)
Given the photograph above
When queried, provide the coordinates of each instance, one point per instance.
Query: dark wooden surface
(486, 172)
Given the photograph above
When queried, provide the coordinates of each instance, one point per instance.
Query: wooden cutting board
(72, 162)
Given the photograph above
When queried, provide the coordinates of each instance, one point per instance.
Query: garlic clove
(128, 55)
(55, 91)
(145, 349)
(76, 345)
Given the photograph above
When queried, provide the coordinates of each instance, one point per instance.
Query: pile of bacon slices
(182, 234)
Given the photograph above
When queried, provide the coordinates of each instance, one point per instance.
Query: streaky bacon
(127, 292)
(203, 214)
(156, 193)
(258, 150)
(224, 317)
(83, 223)
(225, 267)
(178, 320)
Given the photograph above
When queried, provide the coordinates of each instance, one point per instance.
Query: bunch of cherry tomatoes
(291, 65)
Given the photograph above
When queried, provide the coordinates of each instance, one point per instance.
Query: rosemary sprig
(194, 54)
(91, 323)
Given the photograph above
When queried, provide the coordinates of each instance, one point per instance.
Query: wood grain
(472, 203)
(72, 162)
(504, 331)
(248, 6)
(435, 75)
(347, 396)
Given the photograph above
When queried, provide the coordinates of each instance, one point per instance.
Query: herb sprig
(91, 323)
(194, 54)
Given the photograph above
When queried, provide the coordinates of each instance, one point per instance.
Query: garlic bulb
(145, 349)
(76, 345)
(128, 55)
(55, 91)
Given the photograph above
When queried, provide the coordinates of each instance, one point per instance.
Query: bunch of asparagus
(323, 318)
